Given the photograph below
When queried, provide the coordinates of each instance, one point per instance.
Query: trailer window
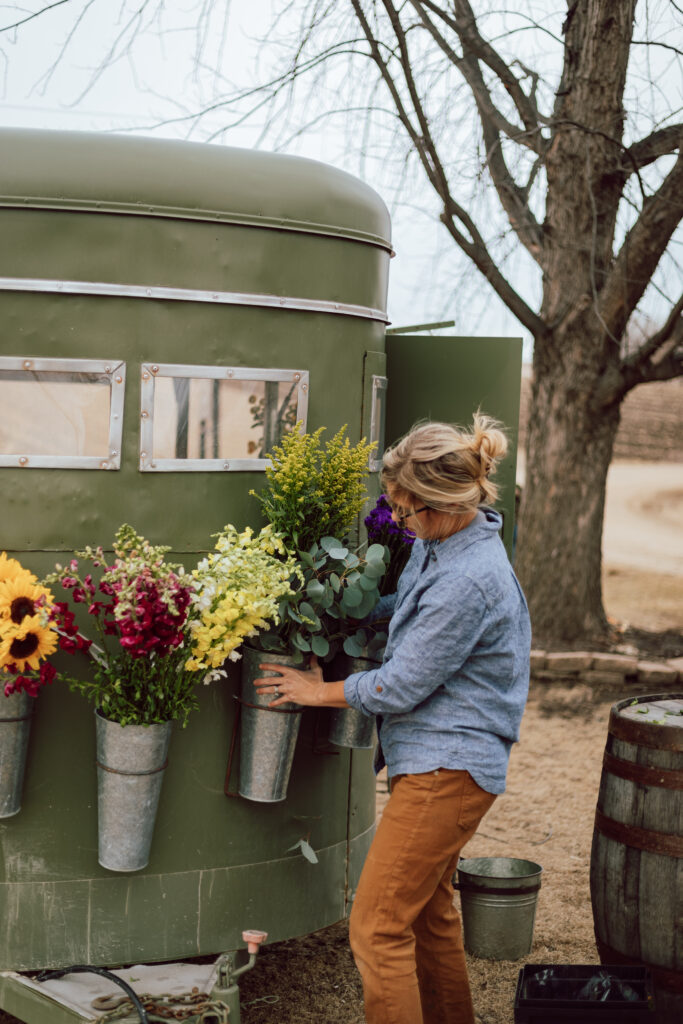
(208, 418)
(61, 413)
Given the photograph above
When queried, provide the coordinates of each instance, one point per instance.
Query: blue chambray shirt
(454, 681)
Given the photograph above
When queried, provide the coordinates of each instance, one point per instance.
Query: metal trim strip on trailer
(135, 291)
(139, 209)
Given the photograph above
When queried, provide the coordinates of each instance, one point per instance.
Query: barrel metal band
(671, 980)
(117, 771)
(648, 775)
(639, 838)
(21, 718)
(135, 291)
(655, 737)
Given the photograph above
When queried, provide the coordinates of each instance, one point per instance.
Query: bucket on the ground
(498, 896)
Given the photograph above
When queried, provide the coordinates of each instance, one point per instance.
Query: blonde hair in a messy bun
(446, 467)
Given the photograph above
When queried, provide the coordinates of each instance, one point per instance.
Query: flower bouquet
(26, 639)
(139, 684)
(313, 495)
(237, 592)
(140, 610)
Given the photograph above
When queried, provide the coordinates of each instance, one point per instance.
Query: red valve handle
(253, 940)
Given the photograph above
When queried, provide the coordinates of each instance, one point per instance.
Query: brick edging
(598, 667)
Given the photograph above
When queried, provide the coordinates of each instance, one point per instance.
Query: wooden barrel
(636, 874)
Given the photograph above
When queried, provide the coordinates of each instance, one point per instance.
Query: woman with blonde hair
(448, 698)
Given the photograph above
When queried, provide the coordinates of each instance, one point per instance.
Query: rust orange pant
(405, 932)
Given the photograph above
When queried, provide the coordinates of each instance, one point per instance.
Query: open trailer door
(449, 378)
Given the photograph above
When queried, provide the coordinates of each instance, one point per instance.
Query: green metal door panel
(448, 379)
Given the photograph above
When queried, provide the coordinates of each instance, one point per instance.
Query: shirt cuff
(358, 689)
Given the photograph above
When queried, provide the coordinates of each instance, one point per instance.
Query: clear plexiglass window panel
(60, 413)
(378, 421)
(201, 421)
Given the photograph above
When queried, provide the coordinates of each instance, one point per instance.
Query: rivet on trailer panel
(226, 465)
(145, 376)
(143, 455)
(155, 369)
(23, 461)
(144, 415)
(119, 380)
(27, 364)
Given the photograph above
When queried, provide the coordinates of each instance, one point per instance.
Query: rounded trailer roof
(197, 181)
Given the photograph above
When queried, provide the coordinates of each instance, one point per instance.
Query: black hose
(85, 969)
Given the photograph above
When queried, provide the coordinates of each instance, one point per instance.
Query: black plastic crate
(584, 993)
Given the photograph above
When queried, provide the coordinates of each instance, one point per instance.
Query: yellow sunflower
(11, 569)
(21, 596)
(24, 645)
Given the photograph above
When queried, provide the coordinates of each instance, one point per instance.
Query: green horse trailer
(167, 308)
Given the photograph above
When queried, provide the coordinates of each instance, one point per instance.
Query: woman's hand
(300, 686)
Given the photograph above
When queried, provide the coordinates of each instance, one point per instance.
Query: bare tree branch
(513, 198)
(36, 14)
(653, 344)
(465, 26)
(474, 245)
(641, 251)
(655, 359)
(649, 149)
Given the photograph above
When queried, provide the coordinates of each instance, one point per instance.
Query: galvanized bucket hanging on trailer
(16, 712)
(348, 727)
(130, 769)
(267, 735)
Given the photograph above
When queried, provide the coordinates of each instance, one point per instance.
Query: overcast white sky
(152, 87)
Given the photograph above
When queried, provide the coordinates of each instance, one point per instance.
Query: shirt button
(378, 689)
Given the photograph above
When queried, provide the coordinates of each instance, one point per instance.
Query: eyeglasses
(402, 516)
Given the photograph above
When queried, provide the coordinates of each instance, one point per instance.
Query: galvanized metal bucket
(348, 727)
(267, 735)
(16, 712)
(130, 769)
(498, 897)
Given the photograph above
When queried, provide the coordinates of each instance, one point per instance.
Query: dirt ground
(546, 815)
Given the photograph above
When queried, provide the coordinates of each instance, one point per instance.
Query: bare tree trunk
(559, 557)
